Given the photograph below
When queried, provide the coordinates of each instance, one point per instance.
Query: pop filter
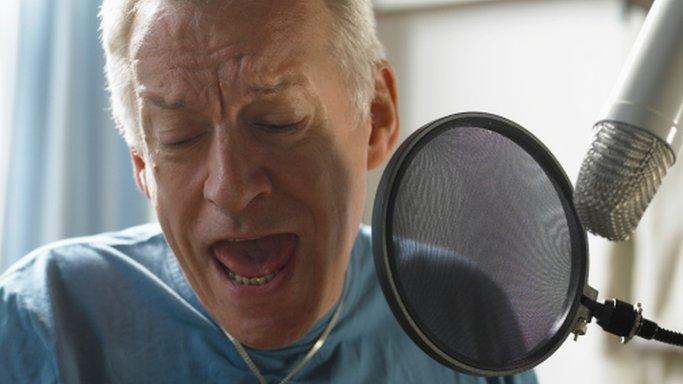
(478, 247)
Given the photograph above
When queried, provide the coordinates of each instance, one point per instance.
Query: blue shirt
(116, 308)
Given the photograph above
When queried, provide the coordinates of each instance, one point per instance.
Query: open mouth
(255, 261)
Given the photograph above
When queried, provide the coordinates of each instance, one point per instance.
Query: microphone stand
(625, 320)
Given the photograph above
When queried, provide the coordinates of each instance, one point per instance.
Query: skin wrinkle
(233, 69)
(188, 44)
(235, 176)
(222, 99)
(144, 10)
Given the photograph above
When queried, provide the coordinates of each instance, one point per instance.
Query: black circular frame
(383, 246)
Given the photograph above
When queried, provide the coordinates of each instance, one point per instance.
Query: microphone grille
(619, 176)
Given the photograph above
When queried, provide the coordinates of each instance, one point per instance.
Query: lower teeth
(251, 281)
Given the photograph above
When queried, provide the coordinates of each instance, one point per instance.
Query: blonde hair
(355, 46)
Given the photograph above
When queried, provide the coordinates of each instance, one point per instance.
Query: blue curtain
(70, 173)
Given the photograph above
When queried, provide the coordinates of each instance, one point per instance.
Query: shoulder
(73, 265)
(80, 254)
(51, 297)
(25, 347)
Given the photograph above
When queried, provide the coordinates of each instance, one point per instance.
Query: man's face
(252, 156)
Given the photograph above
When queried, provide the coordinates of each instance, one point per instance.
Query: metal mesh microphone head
(619, 176)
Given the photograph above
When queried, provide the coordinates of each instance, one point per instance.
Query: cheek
(177, 205)
(314, 170)
(179, 191)
(328, 176)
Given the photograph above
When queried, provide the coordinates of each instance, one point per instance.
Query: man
(251, 125)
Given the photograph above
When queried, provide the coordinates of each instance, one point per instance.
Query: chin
(265, 319)
(271, 333)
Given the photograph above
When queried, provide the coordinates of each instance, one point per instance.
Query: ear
(384, 116)
(139, 171)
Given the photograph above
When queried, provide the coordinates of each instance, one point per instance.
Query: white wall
(547, 65)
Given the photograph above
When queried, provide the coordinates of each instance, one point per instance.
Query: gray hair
(355, 46)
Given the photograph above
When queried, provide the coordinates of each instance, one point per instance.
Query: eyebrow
(275, 87)
(159, 101)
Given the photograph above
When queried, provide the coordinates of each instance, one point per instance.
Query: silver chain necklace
(300, 364)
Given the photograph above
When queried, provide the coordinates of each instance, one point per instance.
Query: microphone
(637, 137)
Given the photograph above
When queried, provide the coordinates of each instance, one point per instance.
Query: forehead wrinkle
(176, 87)
(184, 78)
(187, 36)
(150, 47)
(161, 28)
(178, 47)
(192, 58)
(181, 92)
(256, 75)
(192, 29)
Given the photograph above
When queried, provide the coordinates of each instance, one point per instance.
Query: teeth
(253, 280)
(244, 239)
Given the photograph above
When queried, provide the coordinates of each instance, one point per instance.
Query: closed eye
(286, 127)
(278, 127)
(184, 142)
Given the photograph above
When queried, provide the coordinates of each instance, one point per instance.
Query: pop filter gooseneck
(479, 250)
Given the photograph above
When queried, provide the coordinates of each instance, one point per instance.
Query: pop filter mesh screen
(481, 247)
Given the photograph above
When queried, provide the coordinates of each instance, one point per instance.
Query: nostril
(237, 175)
(233, 194)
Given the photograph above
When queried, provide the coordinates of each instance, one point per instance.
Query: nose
(236, 175)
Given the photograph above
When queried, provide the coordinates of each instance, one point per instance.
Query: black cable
(669, 337)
